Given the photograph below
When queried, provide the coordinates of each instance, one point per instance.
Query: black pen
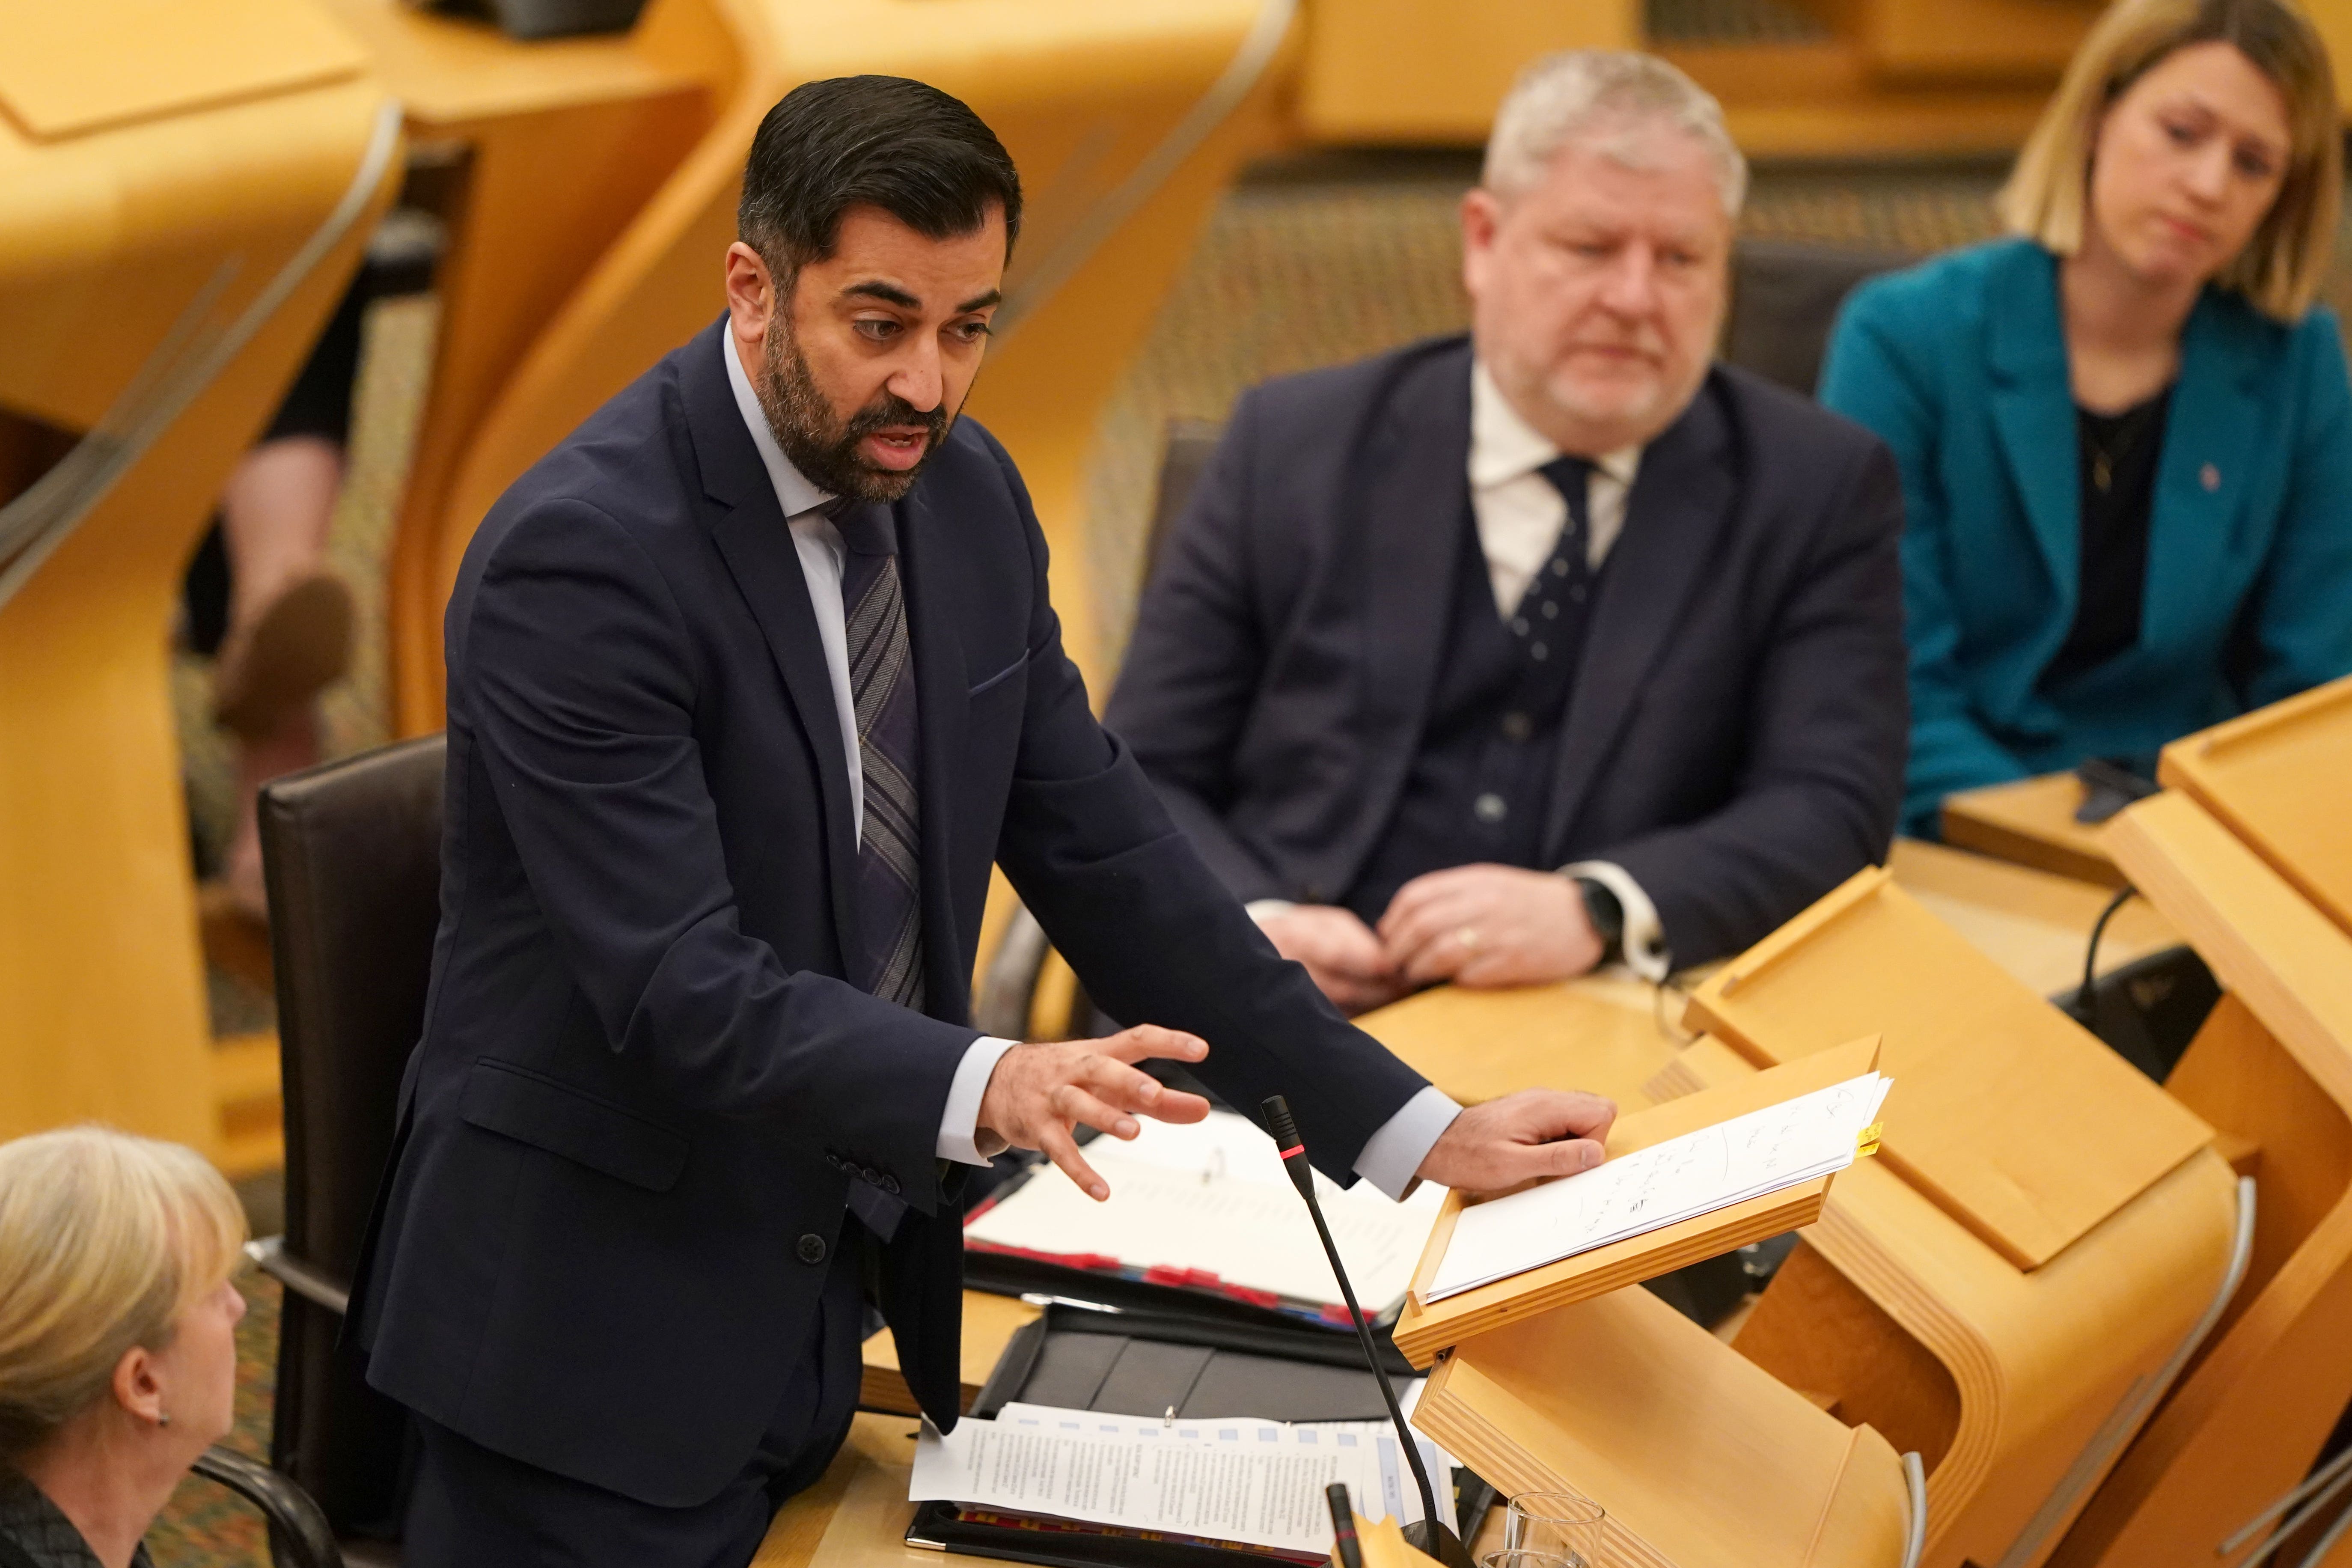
(1343, 1524)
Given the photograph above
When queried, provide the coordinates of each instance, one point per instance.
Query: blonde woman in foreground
(2126, 436)
(118, 1339)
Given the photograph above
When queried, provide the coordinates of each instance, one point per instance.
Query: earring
(163, 1418)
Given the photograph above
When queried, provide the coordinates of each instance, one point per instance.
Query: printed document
(1232, 1478)
(1715, 1167)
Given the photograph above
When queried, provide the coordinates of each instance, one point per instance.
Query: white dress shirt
(1519, 514)
(1389, 1158)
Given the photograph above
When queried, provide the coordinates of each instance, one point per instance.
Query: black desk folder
(1147, 1363)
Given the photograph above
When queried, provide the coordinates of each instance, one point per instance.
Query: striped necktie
(882, 689)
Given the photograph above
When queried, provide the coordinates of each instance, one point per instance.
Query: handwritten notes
(1212, 1198)
(1715, 1167)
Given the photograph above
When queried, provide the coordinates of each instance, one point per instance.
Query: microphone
(1430, 1536)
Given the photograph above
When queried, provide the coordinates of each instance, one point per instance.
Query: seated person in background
(118, 1339)
(1495, 656)
(2126, 436)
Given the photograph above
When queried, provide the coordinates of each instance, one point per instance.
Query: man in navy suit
(1497, 656)
(750, 681)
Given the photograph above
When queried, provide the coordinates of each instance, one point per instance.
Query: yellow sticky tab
(1865, 1142)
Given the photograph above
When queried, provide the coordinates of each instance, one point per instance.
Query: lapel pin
(2209, 476)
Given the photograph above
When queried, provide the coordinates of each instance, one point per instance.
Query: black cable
(2082, 1004)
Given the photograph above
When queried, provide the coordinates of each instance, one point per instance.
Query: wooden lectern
(2009, 1288)
(2249, 852)
(184, 192)
(1555, 1379)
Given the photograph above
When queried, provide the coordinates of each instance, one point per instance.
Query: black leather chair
(1784, 299)
(351, 853)
(299, 1536)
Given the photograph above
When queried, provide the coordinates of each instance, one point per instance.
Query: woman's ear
(138, 1390)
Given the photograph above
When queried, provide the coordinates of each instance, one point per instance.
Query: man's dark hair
(870, 141)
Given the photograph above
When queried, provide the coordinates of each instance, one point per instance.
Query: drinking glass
(1563, 1524)
(1507, 1558)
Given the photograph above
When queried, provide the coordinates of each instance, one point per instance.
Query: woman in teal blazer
(2125, 439)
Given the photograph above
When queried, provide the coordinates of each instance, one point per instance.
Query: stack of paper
(1713, 1168)
(1210, 1204)
(1259, 1483)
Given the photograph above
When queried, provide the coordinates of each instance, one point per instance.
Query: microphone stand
(1430, 1535)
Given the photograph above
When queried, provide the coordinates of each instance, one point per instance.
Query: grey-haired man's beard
(825, 448)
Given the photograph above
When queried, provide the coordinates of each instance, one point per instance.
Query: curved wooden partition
(1098, 105)
(183, 193)
(2007, 1288)
(2274, 1066)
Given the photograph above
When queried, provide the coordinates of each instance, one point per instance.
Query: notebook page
(1213, 1197)
(1712, 1168)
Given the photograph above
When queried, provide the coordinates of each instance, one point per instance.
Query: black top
(2119, 455)
(35, 1534)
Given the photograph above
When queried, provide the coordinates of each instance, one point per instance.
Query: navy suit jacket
(643, 1083)
(1735, 737)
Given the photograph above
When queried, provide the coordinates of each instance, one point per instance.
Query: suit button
(1489, 807)
(812, 1248)
(871, 1174)
(890, 1183)
(1516, 727)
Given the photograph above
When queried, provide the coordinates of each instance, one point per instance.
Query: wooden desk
(172, 238)
(857, 1516)
(2035, 924)
(1595, 1033)
(556, 146)
(1088, 99)
(2033, 823)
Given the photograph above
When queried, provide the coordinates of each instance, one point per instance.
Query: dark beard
(824, 448)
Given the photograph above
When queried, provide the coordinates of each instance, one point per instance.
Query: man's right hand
(1342, 955)
(1040, 1092)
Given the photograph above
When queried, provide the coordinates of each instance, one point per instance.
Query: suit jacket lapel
(2213, 425)
(2033, 411)
(943, 709)
(1413, 486)
(1681, 501)
(748, 527)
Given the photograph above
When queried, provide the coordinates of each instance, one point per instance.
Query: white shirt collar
(794, 493)
(1504, 446)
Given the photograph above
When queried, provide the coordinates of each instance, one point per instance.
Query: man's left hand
(1489, 925)
(1535, 1133)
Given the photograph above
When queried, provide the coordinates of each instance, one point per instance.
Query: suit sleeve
(1153, 933)
(2300, 625)
(1195, 664)
(576, 681)
(1868, 378)
(1817, 791)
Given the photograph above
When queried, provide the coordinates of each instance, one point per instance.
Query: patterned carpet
(1311, 261)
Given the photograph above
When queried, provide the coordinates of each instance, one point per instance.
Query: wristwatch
(1608, 917)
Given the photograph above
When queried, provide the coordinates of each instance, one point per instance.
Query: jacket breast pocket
(1010, 672)
(521, 1104)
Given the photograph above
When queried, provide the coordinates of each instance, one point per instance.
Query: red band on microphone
(1291, 1153)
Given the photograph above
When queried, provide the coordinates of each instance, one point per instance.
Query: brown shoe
(298, 644)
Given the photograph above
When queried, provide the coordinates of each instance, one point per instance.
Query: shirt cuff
(1644, 942)
(1393, 1156)
(960, 1123)
(1260, 908)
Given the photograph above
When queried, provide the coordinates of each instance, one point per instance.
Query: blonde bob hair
(2047, 195)
(105, 1240)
